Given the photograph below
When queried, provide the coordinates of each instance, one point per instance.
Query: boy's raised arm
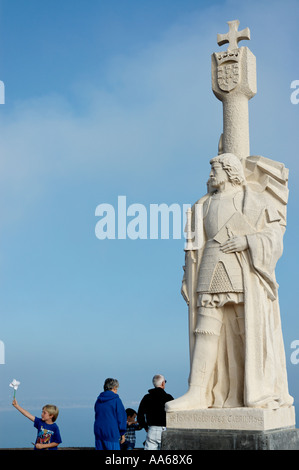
(24, 412)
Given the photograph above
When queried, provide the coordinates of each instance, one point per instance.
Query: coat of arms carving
(228, 75)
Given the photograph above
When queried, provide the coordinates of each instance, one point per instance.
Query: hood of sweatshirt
(107, 396)
(156, 392)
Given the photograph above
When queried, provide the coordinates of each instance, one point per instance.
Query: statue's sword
(189, 280)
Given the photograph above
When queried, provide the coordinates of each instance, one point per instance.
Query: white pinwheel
(14, 384)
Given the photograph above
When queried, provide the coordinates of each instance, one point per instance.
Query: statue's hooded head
(232, 166)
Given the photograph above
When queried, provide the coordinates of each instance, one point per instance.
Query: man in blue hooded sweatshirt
(110, 418)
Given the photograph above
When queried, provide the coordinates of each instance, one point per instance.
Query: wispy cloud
(151, 108)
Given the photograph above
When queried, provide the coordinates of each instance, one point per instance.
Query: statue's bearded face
(218, 176)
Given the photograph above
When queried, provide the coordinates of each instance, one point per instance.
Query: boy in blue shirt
(48, 434)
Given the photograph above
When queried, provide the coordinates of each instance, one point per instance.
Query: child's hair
(130, 412)
(52, 410)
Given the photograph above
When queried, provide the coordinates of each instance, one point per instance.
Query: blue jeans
(106, 445)
(153, 438)
(127, 446)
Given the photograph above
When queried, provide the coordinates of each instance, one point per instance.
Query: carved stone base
(199, 439)
(253, 419)
(231, 429)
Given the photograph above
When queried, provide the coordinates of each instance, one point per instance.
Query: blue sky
(110, 98)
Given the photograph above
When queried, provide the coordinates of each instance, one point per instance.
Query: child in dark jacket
(132, 426)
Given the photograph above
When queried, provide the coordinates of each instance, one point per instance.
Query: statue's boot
(203, 364)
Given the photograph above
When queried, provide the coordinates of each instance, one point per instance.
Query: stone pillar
(234, 83)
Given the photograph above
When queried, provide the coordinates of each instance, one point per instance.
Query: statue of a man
(238, 356)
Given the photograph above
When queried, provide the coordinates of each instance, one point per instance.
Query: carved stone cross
(233, 36)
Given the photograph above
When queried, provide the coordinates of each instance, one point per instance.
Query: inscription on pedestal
(236, 418)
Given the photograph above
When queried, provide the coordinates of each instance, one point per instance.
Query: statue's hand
(234, 244)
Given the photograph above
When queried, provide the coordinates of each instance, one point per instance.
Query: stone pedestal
(231, 429)
(199, 439)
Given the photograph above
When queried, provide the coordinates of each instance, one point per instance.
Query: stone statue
(234, 240)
